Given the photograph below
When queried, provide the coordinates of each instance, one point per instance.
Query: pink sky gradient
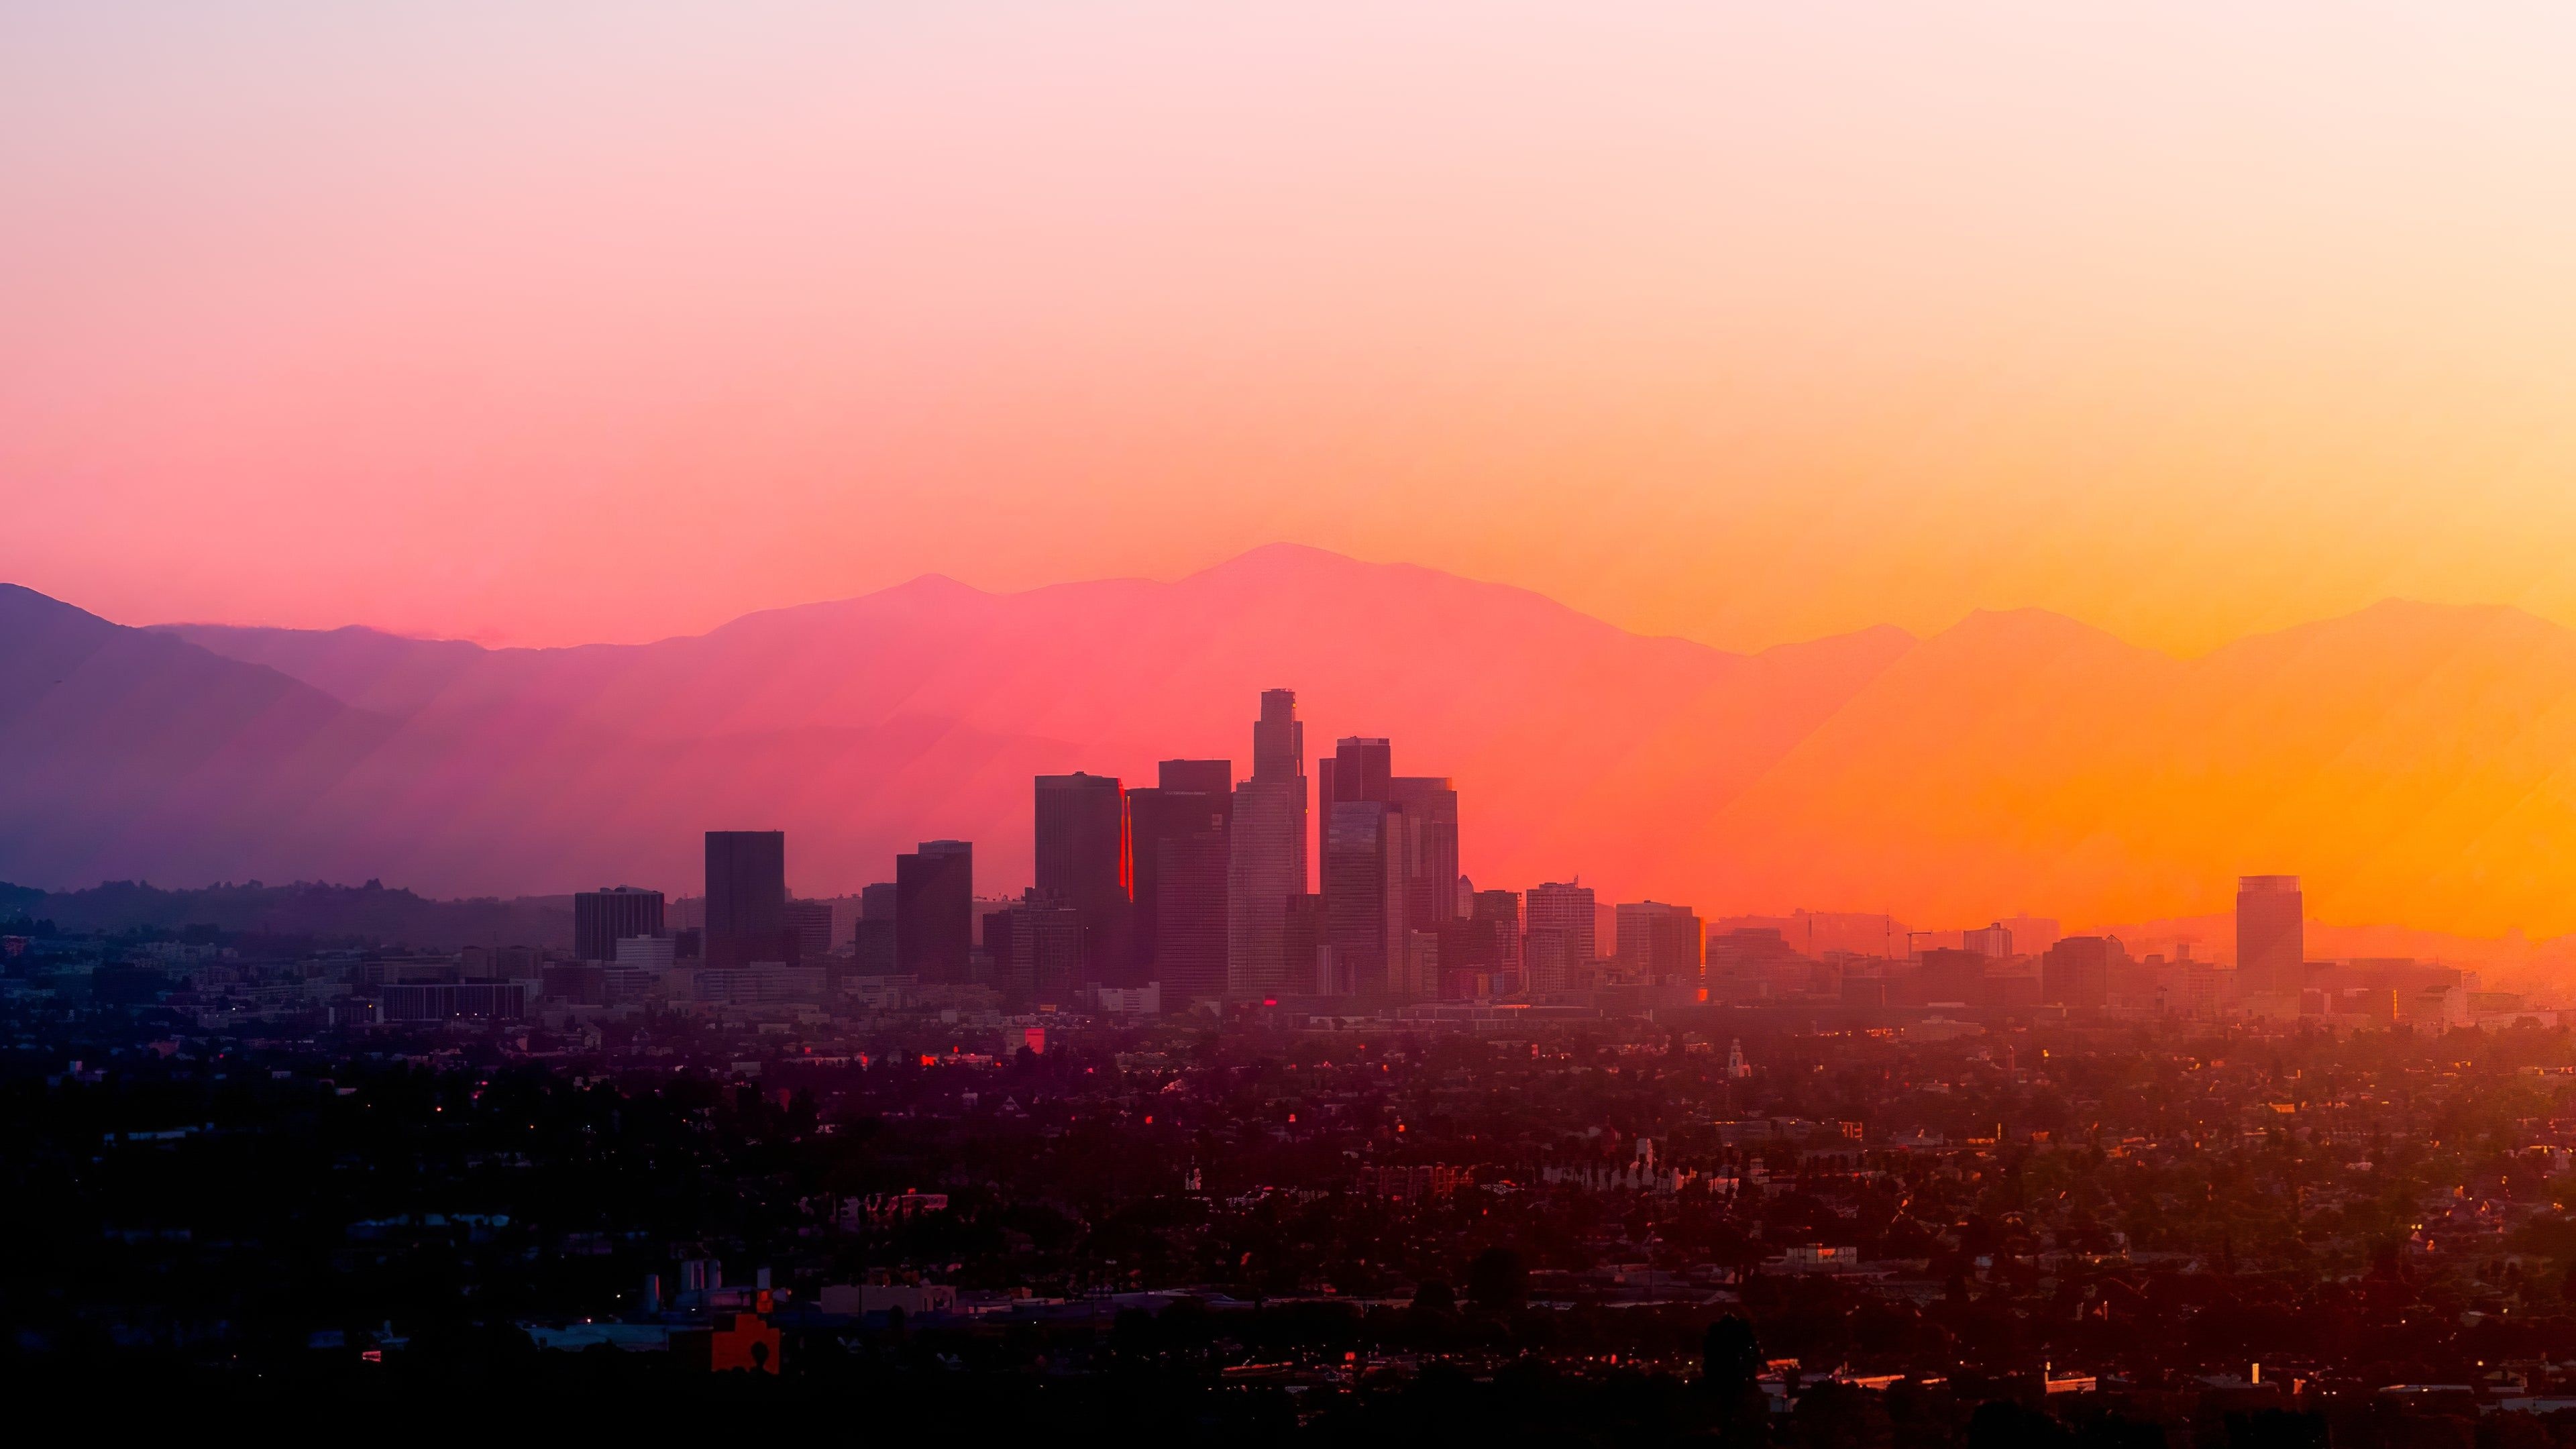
(1742, 322)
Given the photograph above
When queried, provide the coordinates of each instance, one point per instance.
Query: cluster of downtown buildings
(1196, 888)
(1325, 885)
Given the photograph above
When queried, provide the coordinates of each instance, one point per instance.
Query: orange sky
(1744, 322)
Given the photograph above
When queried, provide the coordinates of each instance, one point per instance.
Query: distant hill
(325, 914)
(866, 725)
(127, 753)
(2412, 761)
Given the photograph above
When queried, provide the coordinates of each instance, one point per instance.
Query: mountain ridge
(921, 710)
(2417, 761)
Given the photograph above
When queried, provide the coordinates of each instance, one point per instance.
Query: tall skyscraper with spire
(1266, 861)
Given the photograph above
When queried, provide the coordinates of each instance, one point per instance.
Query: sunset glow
(1744, 323)
(1777, 724)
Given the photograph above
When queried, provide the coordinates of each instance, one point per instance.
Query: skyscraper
(1994, 942)
(1086, 859)
(1430, 807)
(1558, 930)
(809, 931)
(604, 917)
(934, 926)
(1390, 866)
(1311, 967)
(1266, 854)
(1182, 831)
(1189, 798)
(1364, 856)
(746, 897)
(1360, 769)
(1198, 777)
(2271, 935)
(1495, 924)
(1191, 959)
(1416, 973)
(1659, 943)
(872, 944)
(1036, 946)
(1278, 738)
(2076, 970)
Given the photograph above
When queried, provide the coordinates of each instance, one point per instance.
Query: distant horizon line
(934, 578)
(2148, 928)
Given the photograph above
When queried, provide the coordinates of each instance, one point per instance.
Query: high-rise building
(1189, 810)
(604, 917)
(1197, 777)
(747, 897)
(1360, 769)
(1183, 842)
(1548, 959)
(1558, 930)
(1430, 806)
(1659, 943)
(996, 943)
(872, 943)
(2271, 935)
(1494, 922)
(1390, 866)
(2076, 970)
(1309, 954)
(934, 928)
(1190, 959)
(1943, 977)
(1417, 969)
(1036, 946)
(1086, 859)
(809, 926)
(1278, 738)
(1364, 860)
(1994, 942)
(1567, 908)
(1266, 855)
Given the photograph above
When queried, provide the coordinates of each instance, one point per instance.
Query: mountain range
(2411, 761)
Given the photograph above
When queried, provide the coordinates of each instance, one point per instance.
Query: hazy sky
(544, 323)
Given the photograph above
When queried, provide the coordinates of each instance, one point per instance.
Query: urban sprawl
(1183, 1140)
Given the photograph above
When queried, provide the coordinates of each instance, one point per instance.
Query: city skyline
(2018, 764)
(1824, 726)
(1379, 933)
(1396, 919)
